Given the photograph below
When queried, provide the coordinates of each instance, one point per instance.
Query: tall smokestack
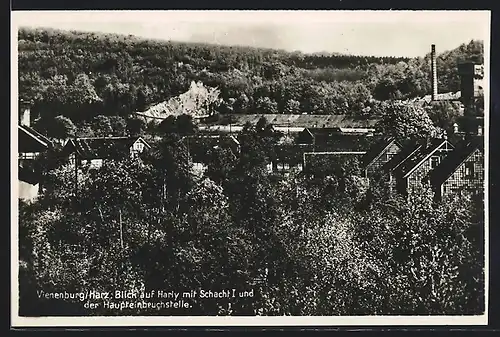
(434, 73)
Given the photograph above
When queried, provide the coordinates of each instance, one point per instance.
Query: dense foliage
(331, 243)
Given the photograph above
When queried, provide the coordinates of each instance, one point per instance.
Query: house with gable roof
(410, 173)
(407, 151)
(378, 155)
(30, 145)
(462, 171)
(92, 151)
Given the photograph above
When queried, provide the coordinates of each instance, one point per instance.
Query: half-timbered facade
(30, 145)
(461, 172)
(92, 151)
(389, 168)
(378, 155)
(289, 157)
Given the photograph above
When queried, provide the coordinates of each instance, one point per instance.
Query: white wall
(28, 192)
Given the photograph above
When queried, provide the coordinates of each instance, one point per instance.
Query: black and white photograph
(249, 167)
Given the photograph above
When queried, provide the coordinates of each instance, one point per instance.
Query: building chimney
(434, 83)
(24, 114)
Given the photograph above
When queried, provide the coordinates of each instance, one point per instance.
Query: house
(378, 155)
(200, 146)
(462, 171)
(319, 147)
(314, 136)
(411, 173)
(388, 169)
(312, 144)
(30, 145)
(92, 151)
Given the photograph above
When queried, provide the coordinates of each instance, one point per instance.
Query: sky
(374, 33)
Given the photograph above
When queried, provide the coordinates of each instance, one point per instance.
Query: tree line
(81, 75)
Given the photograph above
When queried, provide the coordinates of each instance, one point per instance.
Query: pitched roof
(406, 152)
(27, 134)
(330, 162)
(377, 149)
(101, 147)
(419, 156)
(450, 164)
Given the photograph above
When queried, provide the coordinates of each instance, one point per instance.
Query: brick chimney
(434, 83)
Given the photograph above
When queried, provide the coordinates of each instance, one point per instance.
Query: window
(286, 166)
(434, 162)
(469, 169)
(138, 146)
(279, 166)
(27, 155)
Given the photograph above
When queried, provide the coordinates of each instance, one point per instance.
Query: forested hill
(81, 75)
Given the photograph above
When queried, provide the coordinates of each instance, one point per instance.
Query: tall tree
(407, 121)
